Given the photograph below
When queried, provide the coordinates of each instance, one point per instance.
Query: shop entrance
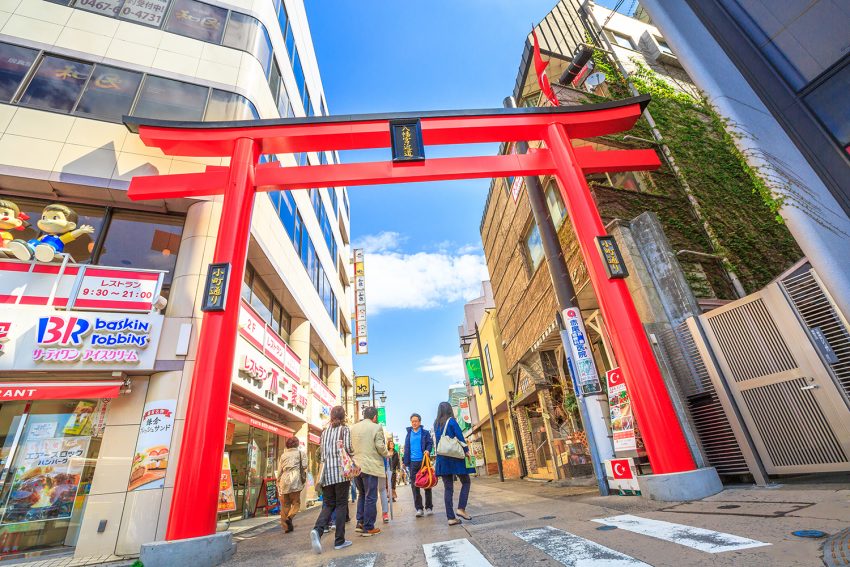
(193, 508)
(47, 462)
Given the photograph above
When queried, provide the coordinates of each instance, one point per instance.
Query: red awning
(59, 390)
(254, 420)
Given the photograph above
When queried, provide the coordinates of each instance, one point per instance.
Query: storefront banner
(59, 390)
(227, 497)
(43, 339)
(259, 422)
(109, 289)
(321, 391)
(314, 439)
(622, 419)
(292, 364)
(251, 326)
(46, 479)
(150, 460)
(465, 417)
(581, 356)
(264, 339)
(263, 380)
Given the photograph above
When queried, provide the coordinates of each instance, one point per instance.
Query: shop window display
(50, 449)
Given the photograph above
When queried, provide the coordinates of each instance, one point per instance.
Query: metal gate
(783, 354)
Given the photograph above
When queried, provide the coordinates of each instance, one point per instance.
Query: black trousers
(334, 498)
(417, 495)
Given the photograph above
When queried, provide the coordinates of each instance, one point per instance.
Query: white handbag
(450, 447)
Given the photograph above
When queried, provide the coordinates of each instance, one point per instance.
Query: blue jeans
(367, 500)
(448, 484)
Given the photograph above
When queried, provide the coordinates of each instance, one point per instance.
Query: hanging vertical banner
(473, 370)
(226, 497)
(382, 416)
(622, 419)
(581, 356)
(465, 419)
(361, 331)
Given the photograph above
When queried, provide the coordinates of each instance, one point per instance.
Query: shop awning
(314, 439)
(529, 397)
(258, 421)
(60, 390)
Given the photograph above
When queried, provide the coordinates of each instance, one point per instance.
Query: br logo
(59, 331)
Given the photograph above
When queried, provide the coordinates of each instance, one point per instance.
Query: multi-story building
(779, 73)
(688, 246)
(93, 402)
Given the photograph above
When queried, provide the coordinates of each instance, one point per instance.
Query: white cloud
(448, 366)
(381, 242)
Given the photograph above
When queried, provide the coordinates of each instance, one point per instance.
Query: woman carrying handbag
(291, 474)
(452, 454)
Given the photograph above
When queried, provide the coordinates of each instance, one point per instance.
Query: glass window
(167, 99)
(533, 246)
(246, 283)
(248, 34)
(283, 106)
(274, 80)
(110, 93)
(225, 106)
(298, 232)
(299, 77)
(79, 249)
(489, 362)
(824, 101)
(662, 45)
(622, 40)
(555, 204)
(57, 84)
(628, 180)
(287, 213)
(149, 12)
(142, 240)
(261, 299)
(289, 39)
(15, 63)
(197, 20)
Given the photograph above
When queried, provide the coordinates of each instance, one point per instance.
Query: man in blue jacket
(416, 444)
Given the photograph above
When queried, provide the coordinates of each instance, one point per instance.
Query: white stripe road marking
(574, 551)
(362, 560)
(697, 538)
(454, 553)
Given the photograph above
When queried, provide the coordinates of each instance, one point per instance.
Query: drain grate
(495, 517)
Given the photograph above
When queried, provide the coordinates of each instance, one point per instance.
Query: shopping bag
(349, 467)
(426, 477)
(450, 447)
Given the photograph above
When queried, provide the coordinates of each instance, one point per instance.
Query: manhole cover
(606, 528)
(728, 507)
(809, 533)
(495, 517)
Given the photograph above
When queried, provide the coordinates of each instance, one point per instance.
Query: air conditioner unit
(658, 50)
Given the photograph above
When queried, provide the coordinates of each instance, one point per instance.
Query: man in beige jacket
(370, 448)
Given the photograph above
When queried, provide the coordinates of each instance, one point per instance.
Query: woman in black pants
(335, 487)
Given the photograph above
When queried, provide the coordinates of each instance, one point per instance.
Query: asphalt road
(522, 523)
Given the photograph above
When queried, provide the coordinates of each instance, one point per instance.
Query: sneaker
(370, 533)
(429, 511)
(386, 518)
(316, 541)
(359, 528)
(343, 545)
(419, 513)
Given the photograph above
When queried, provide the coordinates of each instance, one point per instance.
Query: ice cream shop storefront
(70, 350)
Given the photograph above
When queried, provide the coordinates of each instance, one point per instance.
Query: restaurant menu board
(267, 498)
(150, 459)
(226, 497)
(46, 479)
(622, 419)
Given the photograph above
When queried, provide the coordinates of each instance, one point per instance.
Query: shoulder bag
(427, 476)
(302, 470)
(449, 446)
(349, 467)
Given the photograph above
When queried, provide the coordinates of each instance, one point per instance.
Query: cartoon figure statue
(11, 218)
(58, 224)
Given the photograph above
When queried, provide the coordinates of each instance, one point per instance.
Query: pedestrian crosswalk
(697, 538)
(572, 550)
(362, 560)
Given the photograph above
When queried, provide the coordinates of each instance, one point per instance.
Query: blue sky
(424, 256)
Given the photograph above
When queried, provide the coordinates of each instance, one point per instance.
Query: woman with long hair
(449, 467)
(336, 439)
(394, 466)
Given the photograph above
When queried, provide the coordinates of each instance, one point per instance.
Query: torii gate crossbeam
(195, 497)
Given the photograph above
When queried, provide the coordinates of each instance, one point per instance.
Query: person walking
(291, 474)
(370, 448)
(336, 440)
(393, 466)
(448, 467)
(416, 444)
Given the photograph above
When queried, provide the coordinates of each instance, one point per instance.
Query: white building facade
(93, 385)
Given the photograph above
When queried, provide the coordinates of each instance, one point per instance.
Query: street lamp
(465, 346)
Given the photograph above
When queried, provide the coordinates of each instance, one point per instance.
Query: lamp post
(464, 345)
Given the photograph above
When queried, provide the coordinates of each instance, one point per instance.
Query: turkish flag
(540, 68)
(621, 469)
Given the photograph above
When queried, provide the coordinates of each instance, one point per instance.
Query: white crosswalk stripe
(362, 560)
(454, 553)
(574, 551)
(696, 538)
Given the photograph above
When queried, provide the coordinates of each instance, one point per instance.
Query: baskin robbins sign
(39, 339)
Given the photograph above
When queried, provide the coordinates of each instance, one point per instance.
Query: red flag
(540, 68)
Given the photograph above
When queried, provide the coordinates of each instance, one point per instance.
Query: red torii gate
(196, 489)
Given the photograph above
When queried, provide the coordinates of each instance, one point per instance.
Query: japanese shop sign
(43, 339)
(108, 289)
(150, 459)
(406, 140)
(581, 359)
(265, 340)
(215, 289)
(46, 479)
(323, 401)
(622, 418)
(361, 330)
(611, 256)
(227, 497)
(260, 377)
(362, 386)
(149, 12)
(473, 370)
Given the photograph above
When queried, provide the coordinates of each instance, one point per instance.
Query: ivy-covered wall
(733, 199)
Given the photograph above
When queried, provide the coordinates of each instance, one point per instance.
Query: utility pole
(597, 440)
